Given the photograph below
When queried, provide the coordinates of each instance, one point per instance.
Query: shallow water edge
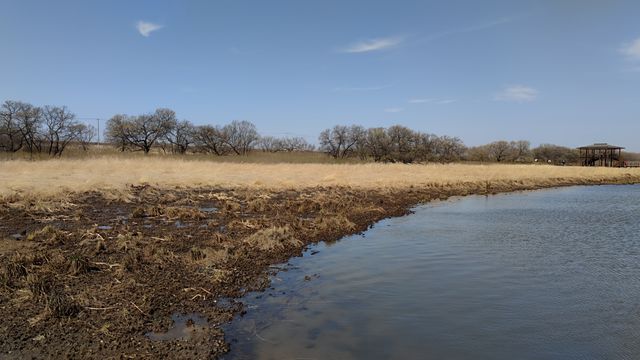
(529, 275)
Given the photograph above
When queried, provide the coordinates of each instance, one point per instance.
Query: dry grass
(273, 238)
(112, 174)
(49, 235)
(171, 212)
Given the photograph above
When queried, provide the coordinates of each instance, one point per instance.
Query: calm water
(551, 274)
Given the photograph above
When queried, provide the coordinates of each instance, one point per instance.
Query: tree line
(394, 144)
(521, 152)
(162, 129)
(50, 129)
(40, 129)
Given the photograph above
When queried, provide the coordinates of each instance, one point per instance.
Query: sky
(558, 71)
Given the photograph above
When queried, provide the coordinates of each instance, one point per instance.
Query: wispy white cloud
(632, 49)
(363, 88)
(430, 101)
(145, 28)
(419, 101)
(517, 93)
(373, 45)
(394, 110)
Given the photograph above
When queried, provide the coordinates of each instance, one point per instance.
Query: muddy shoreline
(88, 275)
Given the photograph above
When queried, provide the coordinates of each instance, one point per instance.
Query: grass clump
(134, 260)
(184, 213)
(258, 205)
(61, 304)
(13, 272)
(127, 241)
(335, 223)
(197, 254)
(17, 268)
(273, 238)
(208, 256)
(39, 285)
(49, 235)
(78, 265)
(171, 212)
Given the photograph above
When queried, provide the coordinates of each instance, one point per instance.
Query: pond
(551, 274)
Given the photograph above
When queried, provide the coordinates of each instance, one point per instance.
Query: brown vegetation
(87, 273)
(39, 182)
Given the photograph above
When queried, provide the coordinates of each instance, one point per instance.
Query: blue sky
(563, 71)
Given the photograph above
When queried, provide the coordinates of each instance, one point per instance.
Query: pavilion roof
(601, 146)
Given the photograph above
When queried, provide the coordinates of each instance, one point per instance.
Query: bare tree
(291, 144)
(87, 133)
(478, 153)
(60, 128)
(403, 144)
(340, 141)
(500, 151)
(377, 144)
(521, 150)
(449, 149)
(427, 147)
(269, 144)
(288, 144)
(140, 132)
(11, 139)
(181, 136)
(116, 131)
(211, 139)
(331, 140)
(240, 136)
(29, 120)
(145, 130)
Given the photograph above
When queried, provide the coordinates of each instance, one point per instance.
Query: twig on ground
(100, 308)
(111, 266)
(136, 306)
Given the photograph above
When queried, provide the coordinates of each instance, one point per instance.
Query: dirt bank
(88, 275)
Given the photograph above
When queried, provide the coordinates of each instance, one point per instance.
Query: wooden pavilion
(601, 154)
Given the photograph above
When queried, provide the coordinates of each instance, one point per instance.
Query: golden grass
(58, 176)
(273, 238)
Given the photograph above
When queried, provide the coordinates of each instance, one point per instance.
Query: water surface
(551, 274)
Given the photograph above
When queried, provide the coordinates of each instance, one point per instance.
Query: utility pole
(98, 131)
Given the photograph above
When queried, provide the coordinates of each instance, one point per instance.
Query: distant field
(54, 176)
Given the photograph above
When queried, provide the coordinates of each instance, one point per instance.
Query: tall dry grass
(109, 152)
(56, 176)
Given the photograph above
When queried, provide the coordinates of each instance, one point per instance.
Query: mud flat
(152, 271)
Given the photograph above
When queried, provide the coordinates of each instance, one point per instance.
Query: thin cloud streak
(431, 101)
(469, 29)
(146, 28)
(373, 45)
(517, 93)
(365, 88)
(385, 43)
(419, 101)
(631, 50)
